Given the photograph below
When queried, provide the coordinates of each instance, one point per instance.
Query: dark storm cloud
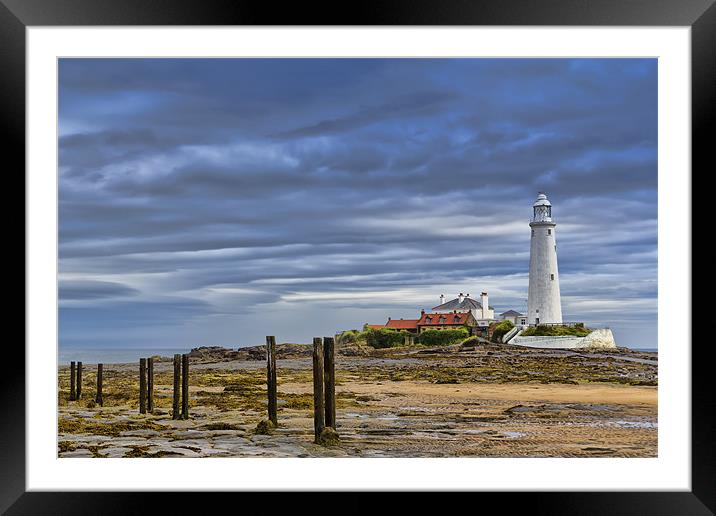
(215, 198)
(417, 104)
(81, 290)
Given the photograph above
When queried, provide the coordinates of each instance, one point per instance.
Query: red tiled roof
(402, 324)
(443, 319)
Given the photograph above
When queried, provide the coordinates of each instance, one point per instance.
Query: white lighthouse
(543, 300)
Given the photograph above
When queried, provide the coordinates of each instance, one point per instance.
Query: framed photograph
(407, 249)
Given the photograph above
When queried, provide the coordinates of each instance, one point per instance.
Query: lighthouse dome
(542, 200)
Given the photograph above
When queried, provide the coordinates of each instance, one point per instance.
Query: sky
(216, 201)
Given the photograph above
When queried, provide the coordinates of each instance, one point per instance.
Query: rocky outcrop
(285, 350)
(214, 354)
(600, 339)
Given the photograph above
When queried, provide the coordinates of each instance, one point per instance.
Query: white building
(481, 310)
(544, 304)
(515, 317)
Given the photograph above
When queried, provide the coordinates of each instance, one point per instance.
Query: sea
(114, 355)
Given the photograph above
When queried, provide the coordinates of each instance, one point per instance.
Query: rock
(77, 453)
(214, 354)
(600, 339)
(264, 427)
(139, 433)
(329, 437)
(113, 451)
(353, 350)
(193, 434)
(283, 350)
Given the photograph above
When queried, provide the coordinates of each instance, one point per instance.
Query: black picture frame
(17, 15)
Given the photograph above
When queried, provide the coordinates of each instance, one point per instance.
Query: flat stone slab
(193, 434)
(85, 438)
(139, 433)
(174, 450)
(114, 451)
(128, 441)
(76, 453)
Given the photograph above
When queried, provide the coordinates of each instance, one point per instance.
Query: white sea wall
(598, 339)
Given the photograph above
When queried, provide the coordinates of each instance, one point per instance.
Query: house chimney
(485, 305)
(442, 299)
(460, 297)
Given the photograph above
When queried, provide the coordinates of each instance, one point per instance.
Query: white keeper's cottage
(481, 310)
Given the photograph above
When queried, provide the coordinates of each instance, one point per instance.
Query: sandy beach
(492, 401)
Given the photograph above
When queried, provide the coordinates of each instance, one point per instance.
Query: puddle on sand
(354, 415)
(385, 417)
(633, 424)
(618, 423)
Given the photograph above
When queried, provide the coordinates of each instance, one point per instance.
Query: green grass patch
(542, 330)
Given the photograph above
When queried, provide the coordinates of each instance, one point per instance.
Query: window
(549, 231)
(551, 276)
(533, 232)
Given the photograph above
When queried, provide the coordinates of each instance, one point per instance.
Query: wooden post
(330, 381)
(150, 385)
(177, 381)
(271, 379)
(142, 385)
(79, 380)
(98, 399)
(318, 409)
(73, 380)
(185, 386)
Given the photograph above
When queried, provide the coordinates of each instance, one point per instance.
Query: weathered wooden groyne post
(79, 380)
(142, 385)
(150, 385)
(318, 409)
(98, 398)
(73, 380)
(177, 380)
(185, 386)
(271, 379)
(330, 381)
